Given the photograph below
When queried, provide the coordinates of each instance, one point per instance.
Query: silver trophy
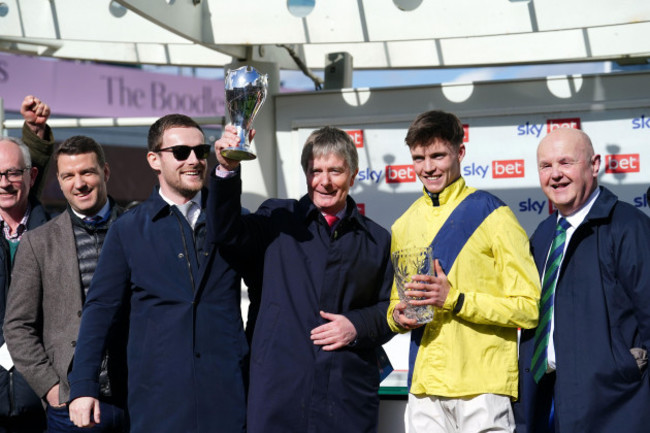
(245, 94)
(406, 263)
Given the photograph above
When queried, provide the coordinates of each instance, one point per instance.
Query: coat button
(73, 344)
(197, 354)
(79, 313)
(181, 255)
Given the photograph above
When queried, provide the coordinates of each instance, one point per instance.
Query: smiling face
(179, 180)
(83, 182)
(568, 169)
(329, 179)
(437, 164)
(14, 194)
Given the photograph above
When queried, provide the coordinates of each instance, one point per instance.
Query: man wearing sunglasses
(186, 344)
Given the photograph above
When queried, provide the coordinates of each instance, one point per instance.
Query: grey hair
(23, 148)
(330, 140)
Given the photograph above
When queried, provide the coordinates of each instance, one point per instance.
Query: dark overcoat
(186, 344)
(602, 310)
(296, 386)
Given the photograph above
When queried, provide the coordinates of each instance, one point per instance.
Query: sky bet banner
(501, 158)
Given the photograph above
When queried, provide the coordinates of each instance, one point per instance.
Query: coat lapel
(68, 264)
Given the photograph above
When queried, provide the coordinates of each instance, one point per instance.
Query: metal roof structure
(379, 34)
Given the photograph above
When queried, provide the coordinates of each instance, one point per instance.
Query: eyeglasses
(14, 175)
(182, 152)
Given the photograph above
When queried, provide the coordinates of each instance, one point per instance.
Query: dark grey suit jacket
(44, 306)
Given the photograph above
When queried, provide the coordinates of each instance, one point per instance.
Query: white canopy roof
(377, 33)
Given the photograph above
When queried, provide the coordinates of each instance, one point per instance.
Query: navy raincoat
(602, 310)
(186, 345)
(295, 386)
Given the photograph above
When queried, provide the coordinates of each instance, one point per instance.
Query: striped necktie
(539, 362)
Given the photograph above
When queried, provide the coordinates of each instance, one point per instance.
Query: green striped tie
(539, 363)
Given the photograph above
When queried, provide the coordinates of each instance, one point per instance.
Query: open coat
(44, 308)
(602, 310)
(296, 386)
(186, 343)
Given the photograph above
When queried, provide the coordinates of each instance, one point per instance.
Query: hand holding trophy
(407, 263)
(246, 91)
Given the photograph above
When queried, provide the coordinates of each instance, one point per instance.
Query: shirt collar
(103, 212)
(22, 225)
(185, 207)
(308, 210)
(576, 218)
(196, 199)
(340, 214)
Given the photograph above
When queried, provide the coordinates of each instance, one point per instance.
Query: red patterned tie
(331, 220)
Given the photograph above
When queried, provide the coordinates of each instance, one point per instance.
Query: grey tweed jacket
(44, 306)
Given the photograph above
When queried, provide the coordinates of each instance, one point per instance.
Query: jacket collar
(601, 209)
(448, 195)
(38, 215)
(161, 208)
(603, 205)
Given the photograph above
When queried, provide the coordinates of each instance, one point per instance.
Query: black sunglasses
(182, 152)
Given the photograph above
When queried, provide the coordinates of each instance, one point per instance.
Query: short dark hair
(330, 140)
(435, 124)
(157, 130)
(80, 144)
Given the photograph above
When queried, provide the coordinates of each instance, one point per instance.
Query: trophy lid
(244, 77)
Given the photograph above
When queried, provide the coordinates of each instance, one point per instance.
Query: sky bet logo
(394, 174)
(641, 122)
(508, 168)
(500, 169)
(466, 136)
(530, 205)
(357, 137)
(369, 175)
(618, 163)
(400, 173)
(551, 125)
(641, 201)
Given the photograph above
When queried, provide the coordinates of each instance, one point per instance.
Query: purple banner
(90, 90)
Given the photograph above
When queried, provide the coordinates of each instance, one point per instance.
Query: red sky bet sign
(400, 173)
(628, 163)
(357, 137)
(570, 122)
(508, 168)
